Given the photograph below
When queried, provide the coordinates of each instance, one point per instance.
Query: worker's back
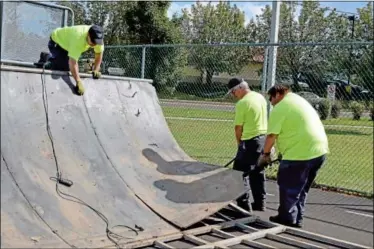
(302, 135)
(251, 112)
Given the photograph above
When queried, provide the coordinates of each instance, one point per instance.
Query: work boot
(277, 219)
(258, 206)
(79, 88)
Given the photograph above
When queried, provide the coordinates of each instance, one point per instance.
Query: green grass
(349, 165)
(222, 114)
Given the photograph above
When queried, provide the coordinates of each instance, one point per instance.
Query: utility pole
(272, 65)
(273, 49)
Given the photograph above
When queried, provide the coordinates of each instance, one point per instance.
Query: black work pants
(294, 180)
(246, 161)
(59, 57)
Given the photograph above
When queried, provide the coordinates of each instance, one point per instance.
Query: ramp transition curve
(115, 145)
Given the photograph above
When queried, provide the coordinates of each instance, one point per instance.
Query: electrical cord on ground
(111, 235)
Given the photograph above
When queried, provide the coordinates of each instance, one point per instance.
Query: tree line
(138, 22)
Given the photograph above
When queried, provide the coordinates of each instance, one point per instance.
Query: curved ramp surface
(114, 144)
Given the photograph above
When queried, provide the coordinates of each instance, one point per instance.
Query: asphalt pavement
(332, 214)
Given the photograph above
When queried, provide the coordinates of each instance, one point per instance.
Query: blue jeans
(294, 180)
(246, 160)
(59, 57)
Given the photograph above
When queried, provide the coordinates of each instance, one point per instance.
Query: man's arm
(73, 64)
(269, 142)
(98, 60)
(238, 132)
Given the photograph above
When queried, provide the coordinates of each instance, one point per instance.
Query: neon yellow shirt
(251, 113)
(74, 40)
(301, 134)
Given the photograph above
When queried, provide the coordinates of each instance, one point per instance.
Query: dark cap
(96, 34)
(234, 82)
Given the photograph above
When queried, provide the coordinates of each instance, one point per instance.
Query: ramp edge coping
(24, 69)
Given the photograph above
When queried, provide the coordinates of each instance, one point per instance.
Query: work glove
(263, 161)
(96, 74)
(266, 160)
(79, 87)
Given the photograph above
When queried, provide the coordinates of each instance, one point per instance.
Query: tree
(148, 24)
(220, 24)
(79, 9)
(365, 32)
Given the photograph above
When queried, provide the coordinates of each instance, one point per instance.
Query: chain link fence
(337, 79)
(27, 26)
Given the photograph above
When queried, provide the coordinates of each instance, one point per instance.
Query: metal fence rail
(337, 79)
(26, 27)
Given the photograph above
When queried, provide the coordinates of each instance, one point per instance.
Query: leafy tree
(209, 24)
(365, 32)
(79, 9)
(148, 24)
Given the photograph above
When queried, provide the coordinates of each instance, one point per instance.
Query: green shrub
(336, 109)
(324, 109)
(357, 110)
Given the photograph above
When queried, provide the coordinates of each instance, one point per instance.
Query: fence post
(143, 62)
(273, 49)
(265, 70)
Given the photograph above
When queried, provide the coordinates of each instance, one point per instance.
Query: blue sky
(251, 8)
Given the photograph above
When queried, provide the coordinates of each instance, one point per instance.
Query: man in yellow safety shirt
(66, 45)
(250, 130)
(295, 127)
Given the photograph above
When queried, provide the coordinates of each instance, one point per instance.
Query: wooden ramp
(114, 145)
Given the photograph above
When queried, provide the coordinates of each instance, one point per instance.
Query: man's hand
(96, 74)
(263, 161)
(80, 88)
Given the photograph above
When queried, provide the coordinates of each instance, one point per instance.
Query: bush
(357, 110)
(335, 109)
(324, 109)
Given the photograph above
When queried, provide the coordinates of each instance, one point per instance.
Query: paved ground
(340, 216)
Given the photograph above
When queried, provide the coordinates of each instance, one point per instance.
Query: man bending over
(66, 45)
(301, 139)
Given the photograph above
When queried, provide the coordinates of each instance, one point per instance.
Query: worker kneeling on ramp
(66, 45)
(301, 139)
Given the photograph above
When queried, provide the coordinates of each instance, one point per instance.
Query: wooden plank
(222, 233)
(257, 244)
(245, 227)
(223, 216)
(179, 235)
(239, 209)
(221, 247)
(251, 236)
(162, 245)
(324, 239)
(195, 240)
(293, 242)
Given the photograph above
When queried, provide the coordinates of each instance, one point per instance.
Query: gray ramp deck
(124, 164)
(20, 224)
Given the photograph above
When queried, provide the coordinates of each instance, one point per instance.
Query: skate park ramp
(114, 144)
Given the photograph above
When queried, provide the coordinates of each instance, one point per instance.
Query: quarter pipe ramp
(128, 173)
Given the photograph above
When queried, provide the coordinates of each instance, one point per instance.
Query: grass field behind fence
(349, 165)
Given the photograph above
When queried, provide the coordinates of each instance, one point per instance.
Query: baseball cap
(233, 83)
(96, 34)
